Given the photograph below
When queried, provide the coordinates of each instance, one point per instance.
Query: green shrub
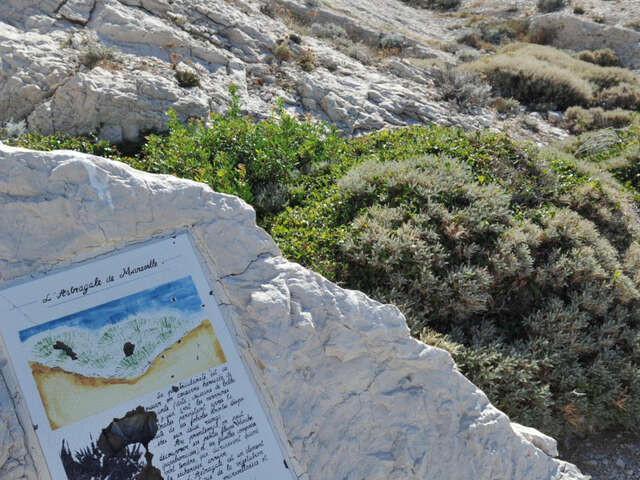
(13, 130)
(307, 59)
(282, 52)
(475, 40)
(506, 105)
(85, 144)
(623, 95)
(580, 120)
(604, 57)
(94, 53)
(256, 161)
(524, 265)
(617, 151)
(531, 80)
(435, 4)
(187, 79)
(486, 34)
(465, 87)
(607, 77)
(551, 5)
(535, 74)
(449, 251)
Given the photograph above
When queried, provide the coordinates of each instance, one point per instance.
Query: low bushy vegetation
(523, 264)
(95, 53)
(580, 120)
(487, 34)
(464, 87)
(551, 5)
(13, 130)
(506, 105)
(256, 161)
(529, 75)
(435, 4)
(614, 150)
(187, 79)
(543, 75)
(604, 57)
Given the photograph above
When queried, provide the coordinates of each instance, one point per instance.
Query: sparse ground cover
(523, 264)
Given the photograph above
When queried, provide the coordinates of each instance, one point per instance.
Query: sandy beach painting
(95, 359)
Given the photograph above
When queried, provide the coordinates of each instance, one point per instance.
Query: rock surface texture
(580, 34)
(112, 66)
(351, 392)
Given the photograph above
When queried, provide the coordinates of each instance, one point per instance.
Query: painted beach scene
(93, 360)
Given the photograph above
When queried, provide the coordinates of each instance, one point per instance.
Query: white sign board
(139, 330)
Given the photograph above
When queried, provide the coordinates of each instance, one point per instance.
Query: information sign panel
(129, 371)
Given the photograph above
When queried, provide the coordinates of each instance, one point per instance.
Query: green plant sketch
(101, 353)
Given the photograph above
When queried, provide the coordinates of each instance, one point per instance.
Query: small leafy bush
(623, 95)
(435, 4)
(85, 144)
(520, 264)
(282, 51)
(256, 161)
(475, 40)
(536, 74)
(523, 264)
(551, 5)
(506, 105)
(13, 130)
(531, 80)
(485, 35)
(307, 59)
(465, 87)
(604, 57)
(581, 120)
(187, 79)
(617, 151)
(94, 53)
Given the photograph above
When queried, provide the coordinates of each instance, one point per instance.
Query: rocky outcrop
(566, 31)
(109, 66)
(348, 388)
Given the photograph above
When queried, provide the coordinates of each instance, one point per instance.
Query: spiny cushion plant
(522, 264)
(538, 74)
(616, 151)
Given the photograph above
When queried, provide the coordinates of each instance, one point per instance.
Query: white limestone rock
(44, 79)
(354, 395)
(581, 34)
(30, 71)
(544, 442)
(78, 11)
(119, 105)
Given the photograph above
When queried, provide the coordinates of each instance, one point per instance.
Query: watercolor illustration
(92, 360)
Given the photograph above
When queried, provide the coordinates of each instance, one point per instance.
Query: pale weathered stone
(544, 442)
(77, 10)
(352, 393)
(46, 79)
(582, 34)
